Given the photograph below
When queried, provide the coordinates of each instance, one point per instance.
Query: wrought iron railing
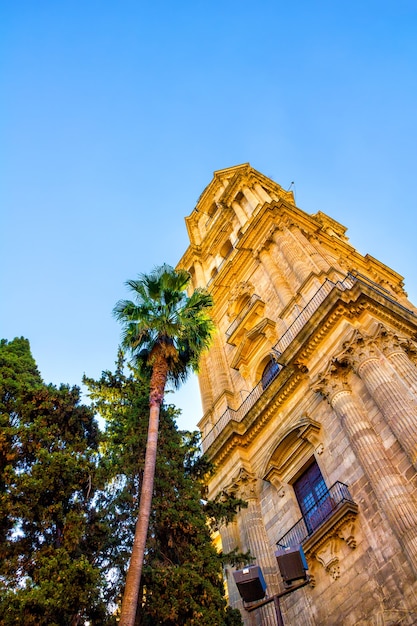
(310, 308)
(316, 515)
(292, 331)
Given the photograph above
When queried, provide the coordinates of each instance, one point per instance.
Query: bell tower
(310, 400)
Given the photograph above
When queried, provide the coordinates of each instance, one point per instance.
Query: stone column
(230, 540)
(250, 197)
(275, 276)
(264, 196)
(394, 349)
(219, 371)
(254, 538)
(207, 396)
(294, 235)
(316, 257)
(391, 489)
(199, 274)
(240, 213)
(286, 246)
(391, 396)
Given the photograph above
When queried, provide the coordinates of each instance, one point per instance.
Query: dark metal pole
(280, 621)
(275, 600)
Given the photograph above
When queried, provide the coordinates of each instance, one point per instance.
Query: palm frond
(162, 313)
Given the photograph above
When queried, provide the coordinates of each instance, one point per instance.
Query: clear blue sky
(114, 115)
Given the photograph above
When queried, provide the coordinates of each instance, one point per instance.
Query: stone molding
(325, 544)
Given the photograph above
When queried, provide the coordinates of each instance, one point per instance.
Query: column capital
(388, 342)
(245, 484)
(262, 248)
(410, 348)
(359, 350)
(333, 381)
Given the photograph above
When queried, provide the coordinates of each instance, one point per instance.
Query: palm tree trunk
(134, 573)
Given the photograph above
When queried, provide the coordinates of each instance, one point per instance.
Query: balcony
(328, 287)
(328, 513)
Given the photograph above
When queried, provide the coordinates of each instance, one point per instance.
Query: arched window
(270, 372)
(226, 249)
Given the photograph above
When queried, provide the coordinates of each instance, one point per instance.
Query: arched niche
(239, 296)
(226, 249)
(292, 451)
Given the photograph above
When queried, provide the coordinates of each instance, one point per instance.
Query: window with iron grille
(313, 497)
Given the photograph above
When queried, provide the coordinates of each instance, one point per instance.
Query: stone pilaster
(250, 197)
(263, 195)
(254, 538)
(391, 396)
(286, 245)
(199, 274)
(391, 489)
(206, 391)
(230, 540)
(275, 276)
(240, 213)
(220, 370)
(313, 253)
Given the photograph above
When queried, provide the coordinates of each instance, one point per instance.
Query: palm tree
(165, 330)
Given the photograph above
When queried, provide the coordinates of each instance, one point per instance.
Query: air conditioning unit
(292, 564)
(250, 583)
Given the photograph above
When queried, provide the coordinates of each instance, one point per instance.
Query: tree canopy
(51, 532)
(69, 498)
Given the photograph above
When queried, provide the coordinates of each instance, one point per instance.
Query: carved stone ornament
(325, 544)
(346, 532)
(245, 485)
(273, 477)
(332, 381)
(411, 350)
(244, 288)
(327, 556)
(358, 350)
(389, 342)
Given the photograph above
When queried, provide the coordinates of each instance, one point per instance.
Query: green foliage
(162, 316)
(182, 579)
(51, 531)
(69, 501)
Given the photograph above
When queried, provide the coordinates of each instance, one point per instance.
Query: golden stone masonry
(310, 403)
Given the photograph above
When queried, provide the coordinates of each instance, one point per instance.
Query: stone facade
(314, 362)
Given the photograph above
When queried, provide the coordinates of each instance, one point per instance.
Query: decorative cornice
(266, 408)
(352, 310)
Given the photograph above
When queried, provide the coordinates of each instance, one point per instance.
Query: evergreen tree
(51, 532)
(18, 375)
(182, 575)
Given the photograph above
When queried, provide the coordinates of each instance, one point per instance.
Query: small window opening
(270, 372)
(212, 209)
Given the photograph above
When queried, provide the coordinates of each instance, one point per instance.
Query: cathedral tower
(310, 402)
